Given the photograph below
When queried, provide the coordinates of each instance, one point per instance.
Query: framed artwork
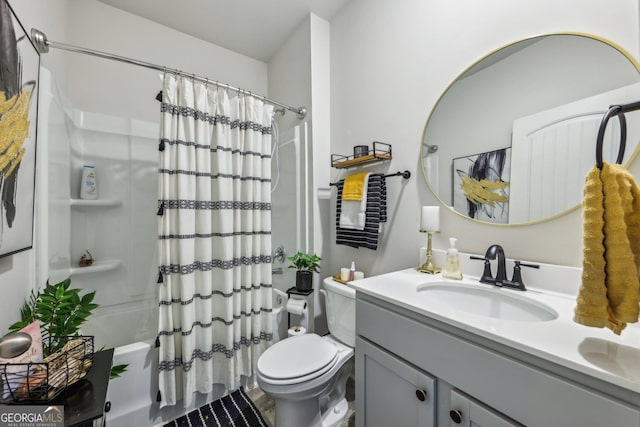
(481, 185)
(18, 120)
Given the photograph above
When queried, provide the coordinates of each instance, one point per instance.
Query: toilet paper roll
(297, 330)
(296, 306)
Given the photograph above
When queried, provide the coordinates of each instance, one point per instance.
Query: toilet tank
(340, 306)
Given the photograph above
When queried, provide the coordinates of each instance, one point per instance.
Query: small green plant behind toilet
(306, 264)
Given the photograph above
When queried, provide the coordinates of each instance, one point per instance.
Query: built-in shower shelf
(96, 267)
(381, 152)
(98, 203)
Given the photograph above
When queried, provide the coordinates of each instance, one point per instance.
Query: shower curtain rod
(42, 44)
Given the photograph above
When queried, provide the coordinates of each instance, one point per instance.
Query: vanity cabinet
(392, 392)
(487, 383)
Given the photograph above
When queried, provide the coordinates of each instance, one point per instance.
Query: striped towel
(375, 214)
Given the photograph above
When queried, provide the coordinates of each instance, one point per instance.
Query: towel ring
(615, 110)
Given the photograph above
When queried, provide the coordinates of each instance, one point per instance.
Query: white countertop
(593, 351)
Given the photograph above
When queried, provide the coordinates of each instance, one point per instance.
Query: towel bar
(405, 175)
(615, 110)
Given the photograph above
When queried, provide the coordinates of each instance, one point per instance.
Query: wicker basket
(41, 382)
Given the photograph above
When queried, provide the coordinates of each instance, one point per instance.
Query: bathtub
(279, 315)
(132, 397)
(130, 329)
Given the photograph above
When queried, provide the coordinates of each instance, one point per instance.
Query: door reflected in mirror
(511, 140)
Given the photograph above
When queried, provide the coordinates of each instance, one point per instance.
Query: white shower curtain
(214, 238)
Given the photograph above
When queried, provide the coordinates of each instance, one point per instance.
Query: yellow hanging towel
(354, 186)
(609, 293)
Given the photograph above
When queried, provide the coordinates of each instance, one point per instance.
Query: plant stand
(307, 295)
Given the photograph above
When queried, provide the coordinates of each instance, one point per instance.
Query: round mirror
(511, 140)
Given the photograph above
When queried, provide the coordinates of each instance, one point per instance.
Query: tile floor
(267, 407)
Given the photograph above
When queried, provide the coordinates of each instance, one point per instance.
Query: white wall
(115, 88)
(49, 17)
(290, 74)
(299, 76)
(390, 61)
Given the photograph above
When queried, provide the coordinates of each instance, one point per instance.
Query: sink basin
(486, 300)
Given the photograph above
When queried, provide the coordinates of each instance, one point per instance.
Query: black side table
(84, 401)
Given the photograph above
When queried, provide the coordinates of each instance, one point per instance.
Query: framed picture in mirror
(19, 76)
(481, 185)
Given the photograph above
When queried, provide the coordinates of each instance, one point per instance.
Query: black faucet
(516, 281)
(501, 275)
(496, 251)
(492, 252)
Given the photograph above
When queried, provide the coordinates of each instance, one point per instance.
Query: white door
(552, 152)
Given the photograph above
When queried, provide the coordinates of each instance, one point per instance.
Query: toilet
(306, 375)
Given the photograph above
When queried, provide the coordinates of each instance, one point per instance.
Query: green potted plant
(306, 264)
(61, 311)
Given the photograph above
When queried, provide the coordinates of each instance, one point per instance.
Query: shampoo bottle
(88, 186)
(452, 263)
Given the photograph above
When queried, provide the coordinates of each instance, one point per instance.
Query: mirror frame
(635, 63)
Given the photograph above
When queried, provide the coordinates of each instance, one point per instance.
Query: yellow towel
(354, 186)
(610, 286)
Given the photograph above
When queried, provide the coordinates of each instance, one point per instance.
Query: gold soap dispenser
(452, 268)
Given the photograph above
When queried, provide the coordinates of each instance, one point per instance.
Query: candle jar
(430, 218)
(360, 151)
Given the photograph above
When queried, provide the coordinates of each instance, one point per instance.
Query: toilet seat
(297, 359)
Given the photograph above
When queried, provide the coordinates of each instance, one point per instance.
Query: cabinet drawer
(466, 412)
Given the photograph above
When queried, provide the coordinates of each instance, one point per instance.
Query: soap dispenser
(452, 263)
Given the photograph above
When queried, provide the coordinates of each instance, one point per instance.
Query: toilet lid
(297, 356)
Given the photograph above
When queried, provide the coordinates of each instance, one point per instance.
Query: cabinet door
(467, 413)
(390, 392)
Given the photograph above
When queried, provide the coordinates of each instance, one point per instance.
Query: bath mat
(235, 409)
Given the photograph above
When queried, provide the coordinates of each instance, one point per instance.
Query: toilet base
(334, 417)
(307, 413)
(296, 413)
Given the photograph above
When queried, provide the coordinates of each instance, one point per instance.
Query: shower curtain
(214, 238)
